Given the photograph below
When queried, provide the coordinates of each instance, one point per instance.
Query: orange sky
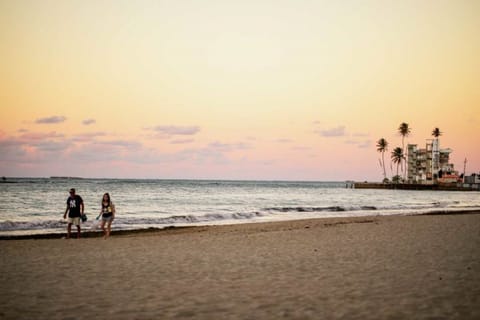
(297, 90)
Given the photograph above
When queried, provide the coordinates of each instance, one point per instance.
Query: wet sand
(402, 267)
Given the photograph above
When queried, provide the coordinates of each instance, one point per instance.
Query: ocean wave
(33, 225)
(191, 219)
(319, 209)
(125, 222)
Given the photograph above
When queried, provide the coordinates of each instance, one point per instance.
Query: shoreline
(176, 229)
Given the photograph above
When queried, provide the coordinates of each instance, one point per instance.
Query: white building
(430, 165)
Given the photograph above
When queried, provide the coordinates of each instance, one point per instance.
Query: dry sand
(403, 267)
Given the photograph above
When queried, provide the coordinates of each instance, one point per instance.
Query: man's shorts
(75, 221)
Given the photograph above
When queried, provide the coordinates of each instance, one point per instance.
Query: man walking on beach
(75, 210)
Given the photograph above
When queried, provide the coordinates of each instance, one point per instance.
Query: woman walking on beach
(108, 214)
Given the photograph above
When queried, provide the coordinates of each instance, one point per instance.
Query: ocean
(36, 205)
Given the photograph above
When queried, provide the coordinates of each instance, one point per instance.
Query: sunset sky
(228, 89)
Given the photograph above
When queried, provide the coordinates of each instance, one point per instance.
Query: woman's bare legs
(102, 225)
(109, 227)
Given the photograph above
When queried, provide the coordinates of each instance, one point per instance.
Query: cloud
(121, 143)
(12, 151)
(52, 146)
(213, 153)
(177, 130)
(365, 144)
(282, 140)
(89, 121)
(32, 149)
(50, 120)
(100, 151)
(301, 148)
(8, 142)
(84, 137)
(182, 141)
(94, 150)
(29, 137)
(360, 134)
(228, 147)
(333, 132)
(360, 144)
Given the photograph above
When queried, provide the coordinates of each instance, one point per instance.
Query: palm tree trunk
(403, 150)
(404, 160)
(383, 164)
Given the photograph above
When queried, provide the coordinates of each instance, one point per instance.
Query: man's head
(72, 191)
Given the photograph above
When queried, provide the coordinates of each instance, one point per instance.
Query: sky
(227, 89)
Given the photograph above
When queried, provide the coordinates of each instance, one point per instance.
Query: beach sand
(396, 267)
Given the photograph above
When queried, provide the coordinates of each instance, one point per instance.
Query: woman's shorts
(75, 221)
(107, 219)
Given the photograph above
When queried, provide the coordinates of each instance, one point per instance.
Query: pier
(416, 186)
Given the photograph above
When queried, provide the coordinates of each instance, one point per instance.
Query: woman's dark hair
(108, 195)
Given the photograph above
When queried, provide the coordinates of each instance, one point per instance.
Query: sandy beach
(396, 267)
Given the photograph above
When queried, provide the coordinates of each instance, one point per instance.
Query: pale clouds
(177, 130)
(88, 122)
(51, 120)
(31, 149)
(88, 136)
(51, 146)
(217, 153)
(129, 144)
(34, 147)
(182, 141)
(60, 119)
(31, 144)
(105, 151)
(283, 140)
(87, 153)
(360, 134)
(35, 136)
(338, 131)
(358, 139)
(301, 148)
(228, 147)
(362, 144)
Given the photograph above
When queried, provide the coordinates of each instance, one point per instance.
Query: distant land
(60, 177)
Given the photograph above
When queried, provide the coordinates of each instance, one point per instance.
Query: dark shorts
(107, 217)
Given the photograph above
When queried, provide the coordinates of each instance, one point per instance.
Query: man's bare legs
(69, 230)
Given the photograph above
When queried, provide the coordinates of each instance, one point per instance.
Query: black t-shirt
(74, 205)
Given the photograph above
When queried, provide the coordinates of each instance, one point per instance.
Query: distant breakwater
(415, 186)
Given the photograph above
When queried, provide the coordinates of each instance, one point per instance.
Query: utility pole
(464, 169)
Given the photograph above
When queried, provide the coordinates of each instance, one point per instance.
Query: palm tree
(436, 133)
(382, 146)
(404, 131)
(397, 157)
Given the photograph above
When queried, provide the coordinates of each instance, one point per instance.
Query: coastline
(418, 266)
(176, 229)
